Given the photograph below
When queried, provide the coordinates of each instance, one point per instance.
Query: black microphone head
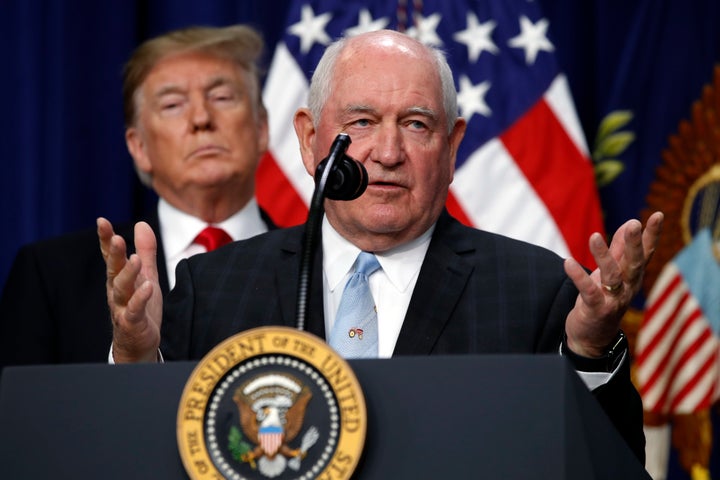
(348, 178)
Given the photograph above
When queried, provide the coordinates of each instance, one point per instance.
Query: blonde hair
(238, 43)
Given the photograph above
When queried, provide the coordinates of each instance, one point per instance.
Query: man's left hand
(606, 293)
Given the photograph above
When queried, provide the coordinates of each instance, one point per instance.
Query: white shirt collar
(401, 264)
(178, 229)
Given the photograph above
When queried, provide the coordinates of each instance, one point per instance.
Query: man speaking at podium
(438, 287)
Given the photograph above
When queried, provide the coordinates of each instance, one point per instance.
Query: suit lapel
(268, 221)
(442, 280)
(287, 281)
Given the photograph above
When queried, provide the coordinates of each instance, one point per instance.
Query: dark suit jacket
(477, 293)
(54, 308)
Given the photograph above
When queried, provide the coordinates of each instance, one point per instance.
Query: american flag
(678, 350)
(523, 169)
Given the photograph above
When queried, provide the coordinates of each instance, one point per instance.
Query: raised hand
(606, 293)
(133, 293)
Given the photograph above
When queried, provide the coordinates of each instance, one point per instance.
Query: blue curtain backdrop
(61, 142)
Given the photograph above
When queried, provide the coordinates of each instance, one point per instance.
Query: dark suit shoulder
(486, 293)
(63, 251)
(77, 240)
(53, 307)
(475, 243)
(259, 246)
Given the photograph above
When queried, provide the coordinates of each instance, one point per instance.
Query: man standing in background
(196, 129)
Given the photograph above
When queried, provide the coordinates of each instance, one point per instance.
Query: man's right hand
(133, 293)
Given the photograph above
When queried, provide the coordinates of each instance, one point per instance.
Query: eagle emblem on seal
(272, 410)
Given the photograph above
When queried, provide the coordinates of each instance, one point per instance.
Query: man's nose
(388, 147)
(200, 116)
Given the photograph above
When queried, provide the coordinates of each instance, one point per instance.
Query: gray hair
(321, 83)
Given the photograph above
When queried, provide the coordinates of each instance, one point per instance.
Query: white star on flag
(311, 29)
(533, 38)
(425, 30)
(471, 98)
(367, 24)
(477, 37)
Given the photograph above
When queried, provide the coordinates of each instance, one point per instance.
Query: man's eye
(174, 108)
(418, 125)
(223, 96)
(362, 122)
(171, 103)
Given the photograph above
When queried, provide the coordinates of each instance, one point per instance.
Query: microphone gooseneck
(337, 177)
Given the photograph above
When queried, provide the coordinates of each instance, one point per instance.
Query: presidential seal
(271, 403)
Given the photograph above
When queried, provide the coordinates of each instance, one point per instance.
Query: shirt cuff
(594, 380)
(111, 359)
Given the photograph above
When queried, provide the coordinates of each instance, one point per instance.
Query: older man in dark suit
(442, 288)
(196, 129)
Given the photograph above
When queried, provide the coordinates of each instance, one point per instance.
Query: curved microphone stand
(344, 179)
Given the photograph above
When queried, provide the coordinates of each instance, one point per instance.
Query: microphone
(337, 177)
(348, 178)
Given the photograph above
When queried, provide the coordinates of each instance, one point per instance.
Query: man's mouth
(207, 150)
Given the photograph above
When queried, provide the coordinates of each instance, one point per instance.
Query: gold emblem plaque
(271, 402)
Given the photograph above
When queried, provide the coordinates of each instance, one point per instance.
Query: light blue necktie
(355, 333)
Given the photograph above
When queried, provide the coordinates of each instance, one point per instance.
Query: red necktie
(212, 238)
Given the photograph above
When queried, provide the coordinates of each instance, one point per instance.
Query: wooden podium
(453, 417)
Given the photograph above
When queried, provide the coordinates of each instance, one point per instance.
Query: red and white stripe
(270, 442)
(677, 353)
(518, 183)
(284, 188)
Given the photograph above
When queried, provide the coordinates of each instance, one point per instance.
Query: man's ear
(136, 147)
(454, 139)
(263, 130)
(305, 131)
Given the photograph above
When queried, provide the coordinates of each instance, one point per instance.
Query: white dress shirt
(178, 230)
